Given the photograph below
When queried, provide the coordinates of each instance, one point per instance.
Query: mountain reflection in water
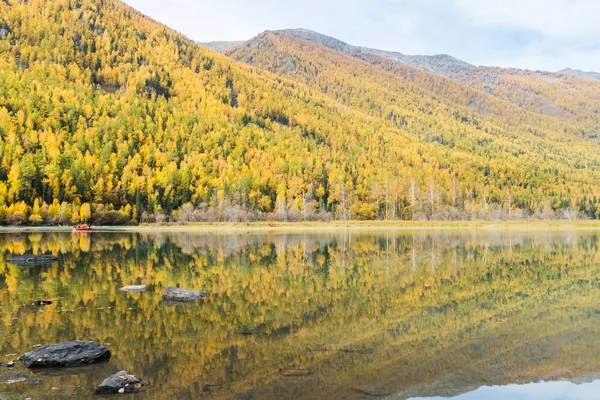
(346, 315)
(532, 391)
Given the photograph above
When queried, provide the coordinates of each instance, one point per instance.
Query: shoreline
(266, 227)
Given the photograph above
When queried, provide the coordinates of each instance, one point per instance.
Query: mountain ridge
(581, 74)
(441, 64)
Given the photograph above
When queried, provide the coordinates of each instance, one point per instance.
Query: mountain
(221, 46)
(580, 73)
(551, 94)
(108, 116)
(440, 64)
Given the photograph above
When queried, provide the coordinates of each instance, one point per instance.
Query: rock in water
(121, 382)
(30, 259)
(41, 303)
(66, 355)
(139, 288)
(16, 378)
(177, 295)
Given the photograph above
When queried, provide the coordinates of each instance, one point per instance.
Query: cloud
(561, 19)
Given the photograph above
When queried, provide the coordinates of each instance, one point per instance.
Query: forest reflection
(345, 315)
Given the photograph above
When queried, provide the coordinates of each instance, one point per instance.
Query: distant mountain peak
(441, 64)
(222, 46)
(581, 74)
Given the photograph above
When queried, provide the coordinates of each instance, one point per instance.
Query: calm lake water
(472, 315)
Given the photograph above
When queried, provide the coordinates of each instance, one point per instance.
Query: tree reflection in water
(343, 315)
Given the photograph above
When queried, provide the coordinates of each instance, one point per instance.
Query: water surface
(344, 315)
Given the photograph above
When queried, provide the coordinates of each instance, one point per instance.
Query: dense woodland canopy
(107, 116)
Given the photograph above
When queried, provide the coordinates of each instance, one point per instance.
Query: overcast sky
(534, 34)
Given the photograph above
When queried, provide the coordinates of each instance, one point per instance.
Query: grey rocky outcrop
(66, 355)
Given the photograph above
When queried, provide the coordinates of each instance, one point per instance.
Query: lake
(466, 314)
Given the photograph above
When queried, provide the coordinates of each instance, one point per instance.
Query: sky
(533, 34)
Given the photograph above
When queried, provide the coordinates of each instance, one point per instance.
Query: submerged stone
(66, 355)
(296, 371)
(30, 259)
(16, 378)
(177, 295)
(121, 382)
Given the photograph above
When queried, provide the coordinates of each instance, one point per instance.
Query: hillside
(546, 93)
(458, 118)
(109, 116)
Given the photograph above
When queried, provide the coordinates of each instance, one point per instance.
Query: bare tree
(386, 197)
(454, 190)
(432, 196)
(413, 192)
(484, 198)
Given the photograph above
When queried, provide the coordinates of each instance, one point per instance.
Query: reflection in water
(349, 315)
(532, 391)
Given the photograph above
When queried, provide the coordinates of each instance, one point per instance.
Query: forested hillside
(110, 117)
(517, 156)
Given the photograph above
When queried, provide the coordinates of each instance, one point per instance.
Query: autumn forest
(109, 117)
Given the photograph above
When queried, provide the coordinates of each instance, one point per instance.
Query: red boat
(82, 228)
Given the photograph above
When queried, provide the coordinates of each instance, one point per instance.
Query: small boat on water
(82, 228)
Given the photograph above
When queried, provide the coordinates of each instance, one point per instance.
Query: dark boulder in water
(66, 355)
(121, 382)
(177, 295)
(30, 259)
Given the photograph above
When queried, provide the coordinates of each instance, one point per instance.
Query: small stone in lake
(121, 382)
(31, 259)
(17, 378)
(41, 303)
(178, 295)
(134, 288)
